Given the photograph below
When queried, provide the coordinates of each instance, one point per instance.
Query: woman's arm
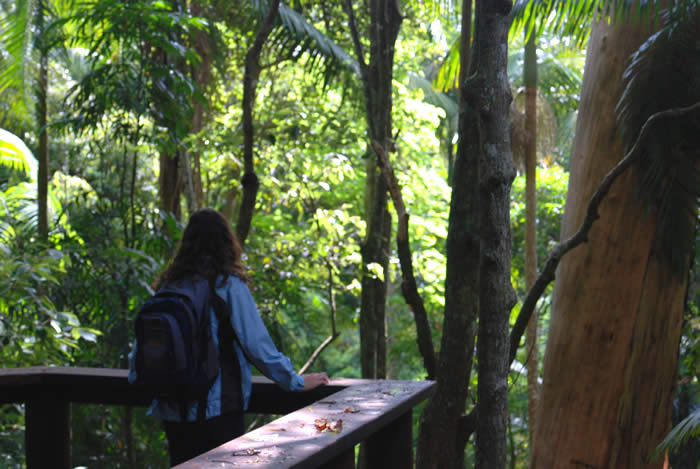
(258, 345)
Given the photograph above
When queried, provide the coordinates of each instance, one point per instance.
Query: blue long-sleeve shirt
(258, 345)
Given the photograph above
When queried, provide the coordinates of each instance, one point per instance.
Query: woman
(209, 251)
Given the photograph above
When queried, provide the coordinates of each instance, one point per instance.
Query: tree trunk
(611, 358)
(42, 115)
(385, 21)
(170, 183)
(250, 181)
(438, 443)
(532, 350)
(201, 73)
(492, 101)
(478, 255)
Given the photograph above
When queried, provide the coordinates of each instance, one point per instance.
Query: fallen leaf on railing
(323, 425)
(351, 410)
(245, 452)
(336, 426)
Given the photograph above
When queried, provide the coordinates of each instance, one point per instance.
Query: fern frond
(688, 428)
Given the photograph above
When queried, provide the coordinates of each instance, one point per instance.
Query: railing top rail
(109, 386)
(304, 439)
(367, 408)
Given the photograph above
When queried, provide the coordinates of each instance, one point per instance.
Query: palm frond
(435, 8)
(448, 73)
(574, 17)
(16, 155)
(663, 74)
(431, 96)
(295, 36)
(688, 428)
(16, 39)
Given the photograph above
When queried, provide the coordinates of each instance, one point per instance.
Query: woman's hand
(314, 380)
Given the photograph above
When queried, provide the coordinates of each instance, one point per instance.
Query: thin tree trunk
(201, 74)
(170, 178)
(251, 74)
(439, 445)
(495, 179)
(188, 174)
(610, 363)
(170, 183)
(409, 288)
(532, 350)
(377, 80)
(42, 111)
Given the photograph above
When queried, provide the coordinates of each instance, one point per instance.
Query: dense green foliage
(114, 108)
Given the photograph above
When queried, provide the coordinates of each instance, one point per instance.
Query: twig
(408, 284)
(317, 352)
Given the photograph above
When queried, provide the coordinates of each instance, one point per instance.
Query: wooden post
(47, 434)
(344, 460)
(392, 446)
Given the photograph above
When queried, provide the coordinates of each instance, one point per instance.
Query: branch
(317, 352)
(408, 285)
(581, 236)
(352, 21)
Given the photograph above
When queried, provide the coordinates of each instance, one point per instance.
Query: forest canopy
(120, 118)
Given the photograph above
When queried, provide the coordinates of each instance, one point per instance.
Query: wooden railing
(320, 429)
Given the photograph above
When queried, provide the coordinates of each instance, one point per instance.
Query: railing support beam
(47, 434)
(345, 460)
(392, 446)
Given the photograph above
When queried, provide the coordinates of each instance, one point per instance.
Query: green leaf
(15, 154)
(376, 270)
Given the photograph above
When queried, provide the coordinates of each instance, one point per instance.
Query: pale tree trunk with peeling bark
(612, 352)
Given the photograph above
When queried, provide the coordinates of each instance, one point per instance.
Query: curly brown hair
(208, 248)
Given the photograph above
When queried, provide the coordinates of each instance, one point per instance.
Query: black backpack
(176, 357)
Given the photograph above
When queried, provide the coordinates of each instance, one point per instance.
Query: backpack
(176, 357)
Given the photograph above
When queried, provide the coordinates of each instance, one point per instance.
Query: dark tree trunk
(532, 350)
(478, 256)
(385, 21)
(170, 178)
(170, 183)
(201, 74)
(251, 74)
(42, 115)
(492, 103)
(439, 445)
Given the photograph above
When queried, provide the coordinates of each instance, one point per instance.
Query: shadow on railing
(320, 429)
